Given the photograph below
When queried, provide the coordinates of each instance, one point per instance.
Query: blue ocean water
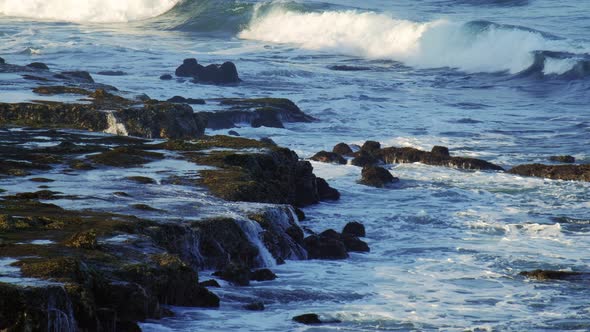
(503, 80)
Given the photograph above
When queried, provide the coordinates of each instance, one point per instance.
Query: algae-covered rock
(125, 157)
(328, 157)
(84, 240)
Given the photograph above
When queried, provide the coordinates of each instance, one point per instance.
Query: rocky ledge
(555, 172)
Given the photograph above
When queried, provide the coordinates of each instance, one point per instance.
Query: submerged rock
(376, 176)
(112, 73)
(258, 112)
(563, 159)
(166, 77)
(554, 172)
(38, 65)
(254, 306)
(191, 101)
(2, 61)
(441, 151)
(325, 246)
(308, 319)
(393, 155)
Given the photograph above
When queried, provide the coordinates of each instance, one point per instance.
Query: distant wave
(477, 46)
(95, 11)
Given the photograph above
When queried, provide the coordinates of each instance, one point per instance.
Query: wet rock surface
(544, 275)
(563, 159)
(376, 176)
(554, 172)
(225, 73)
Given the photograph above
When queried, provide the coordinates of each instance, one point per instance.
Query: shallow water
(474, 75)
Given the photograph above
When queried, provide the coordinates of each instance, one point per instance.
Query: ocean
(507, 81)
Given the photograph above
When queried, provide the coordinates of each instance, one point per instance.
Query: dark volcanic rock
(235, 274)
(563, 159)
(354, 228)
(441, 151)
(393, 155)
(192, 101)
(262, 275)
(328, 157)
(558, 172)
(326, 192)
(267, 112)
(342, 149)
(210, 283)
(38, 65)
(556, 275)
(354, 244)
(216, 74)
(166, 77)
(325, 246)
(364, 158)
(308, 319)
(371, 147)
(376, 176)
(2, 61)
(189, 68)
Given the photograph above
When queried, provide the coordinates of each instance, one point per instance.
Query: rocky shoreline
(117, 256)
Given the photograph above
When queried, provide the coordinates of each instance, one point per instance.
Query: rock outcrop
(225, 73)
(376, 176)
(554, 172)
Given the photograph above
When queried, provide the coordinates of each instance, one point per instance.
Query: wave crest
(95, 11)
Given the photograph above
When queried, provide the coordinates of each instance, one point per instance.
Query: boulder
(555, 172)
(189, 68)
(80, 76)
(325, 192)
(166, 77)
(262, 275)
(235, 274)
(563, 159)
(233, 133)
(325, 246)
(364, 158)
(342, 149)
(354, 228)
(328, 157)
(354, 244)
(371, 147)
(210, 283)
(393, 155)
(112, 73)
(2, 61)
(376, 176)
(441, 151)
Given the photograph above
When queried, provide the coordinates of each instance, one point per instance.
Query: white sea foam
(102, 11)
(421, 44)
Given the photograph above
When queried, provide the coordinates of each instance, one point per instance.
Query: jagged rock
(371, 147)
(342, 149)
(325, 246)
(262, 275)
(325, 192)
(267, 112)
(158, 120)
(308, 319)
(364, 158)
(217, 74)
(38, 65)
(556, 275)
(273, 177)
(376, 176)
(328, 157)
(441, 151)
(254, 306)
(354, 244)
(557, 172)
(189, 67)
(563, 159)
(191, 101)
(354, 228)
(300, 214)
(166, 77)
(393, 155)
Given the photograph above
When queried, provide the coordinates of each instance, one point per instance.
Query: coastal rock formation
(329, 157)
(260, 112)
(108, 113)
(556, 275)
(554, 172)
(342, 149)
(215, 74)
(376, 176)
(333, 245)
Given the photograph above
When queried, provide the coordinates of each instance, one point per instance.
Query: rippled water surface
(503, 80)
